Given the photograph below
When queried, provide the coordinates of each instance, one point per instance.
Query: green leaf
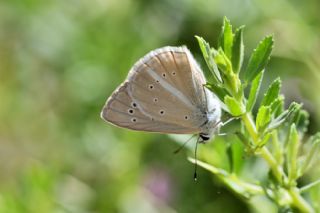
(254, 91)
(292, 154)
(284, 116)
(308, 187)
(302, 120)
(230, 157)
(226, 38)
(272, 93)
(208, 57)
(218, 91)
(312, 153)
(224, 64)
(244, 140)
(277, 106)
(259, 58)
(294, 110)
(263, 118)
(237, 157)
(235, 108)
(277, 148)
(264, 140)
(237, 50)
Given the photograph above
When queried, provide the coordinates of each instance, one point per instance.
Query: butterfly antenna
(183, 145)
(196, 161)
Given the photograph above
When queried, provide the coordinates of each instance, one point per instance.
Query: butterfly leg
(223, 123)
(228, 121)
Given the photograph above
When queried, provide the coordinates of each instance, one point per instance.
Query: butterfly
(164, 92)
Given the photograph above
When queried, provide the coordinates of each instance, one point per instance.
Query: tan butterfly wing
(118, 111)
(163, 93)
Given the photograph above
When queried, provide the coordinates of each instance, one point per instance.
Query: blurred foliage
(273, 133)
(59, 60)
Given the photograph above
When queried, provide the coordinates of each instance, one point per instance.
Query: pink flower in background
(159, 183)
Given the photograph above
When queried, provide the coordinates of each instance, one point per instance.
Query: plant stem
(264, 152)
(309, 186)
(299, 202)
(297, 199)
(241, 187)
(276, 169)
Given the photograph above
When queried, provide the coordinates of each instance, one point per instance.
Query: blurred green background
(60, 60)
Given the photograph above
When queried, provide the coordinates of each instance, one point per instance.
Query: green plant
(273, 133)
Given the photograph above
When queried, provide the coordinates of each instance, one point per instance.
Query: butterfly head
(209, 132)
(212, 125)
(204, 138)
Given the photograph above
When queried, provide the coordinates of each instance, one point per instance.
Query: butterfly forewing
(166, 89)
(177, 67)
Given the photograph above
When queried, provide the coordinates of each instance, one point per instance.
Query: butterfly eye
(133, 104)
